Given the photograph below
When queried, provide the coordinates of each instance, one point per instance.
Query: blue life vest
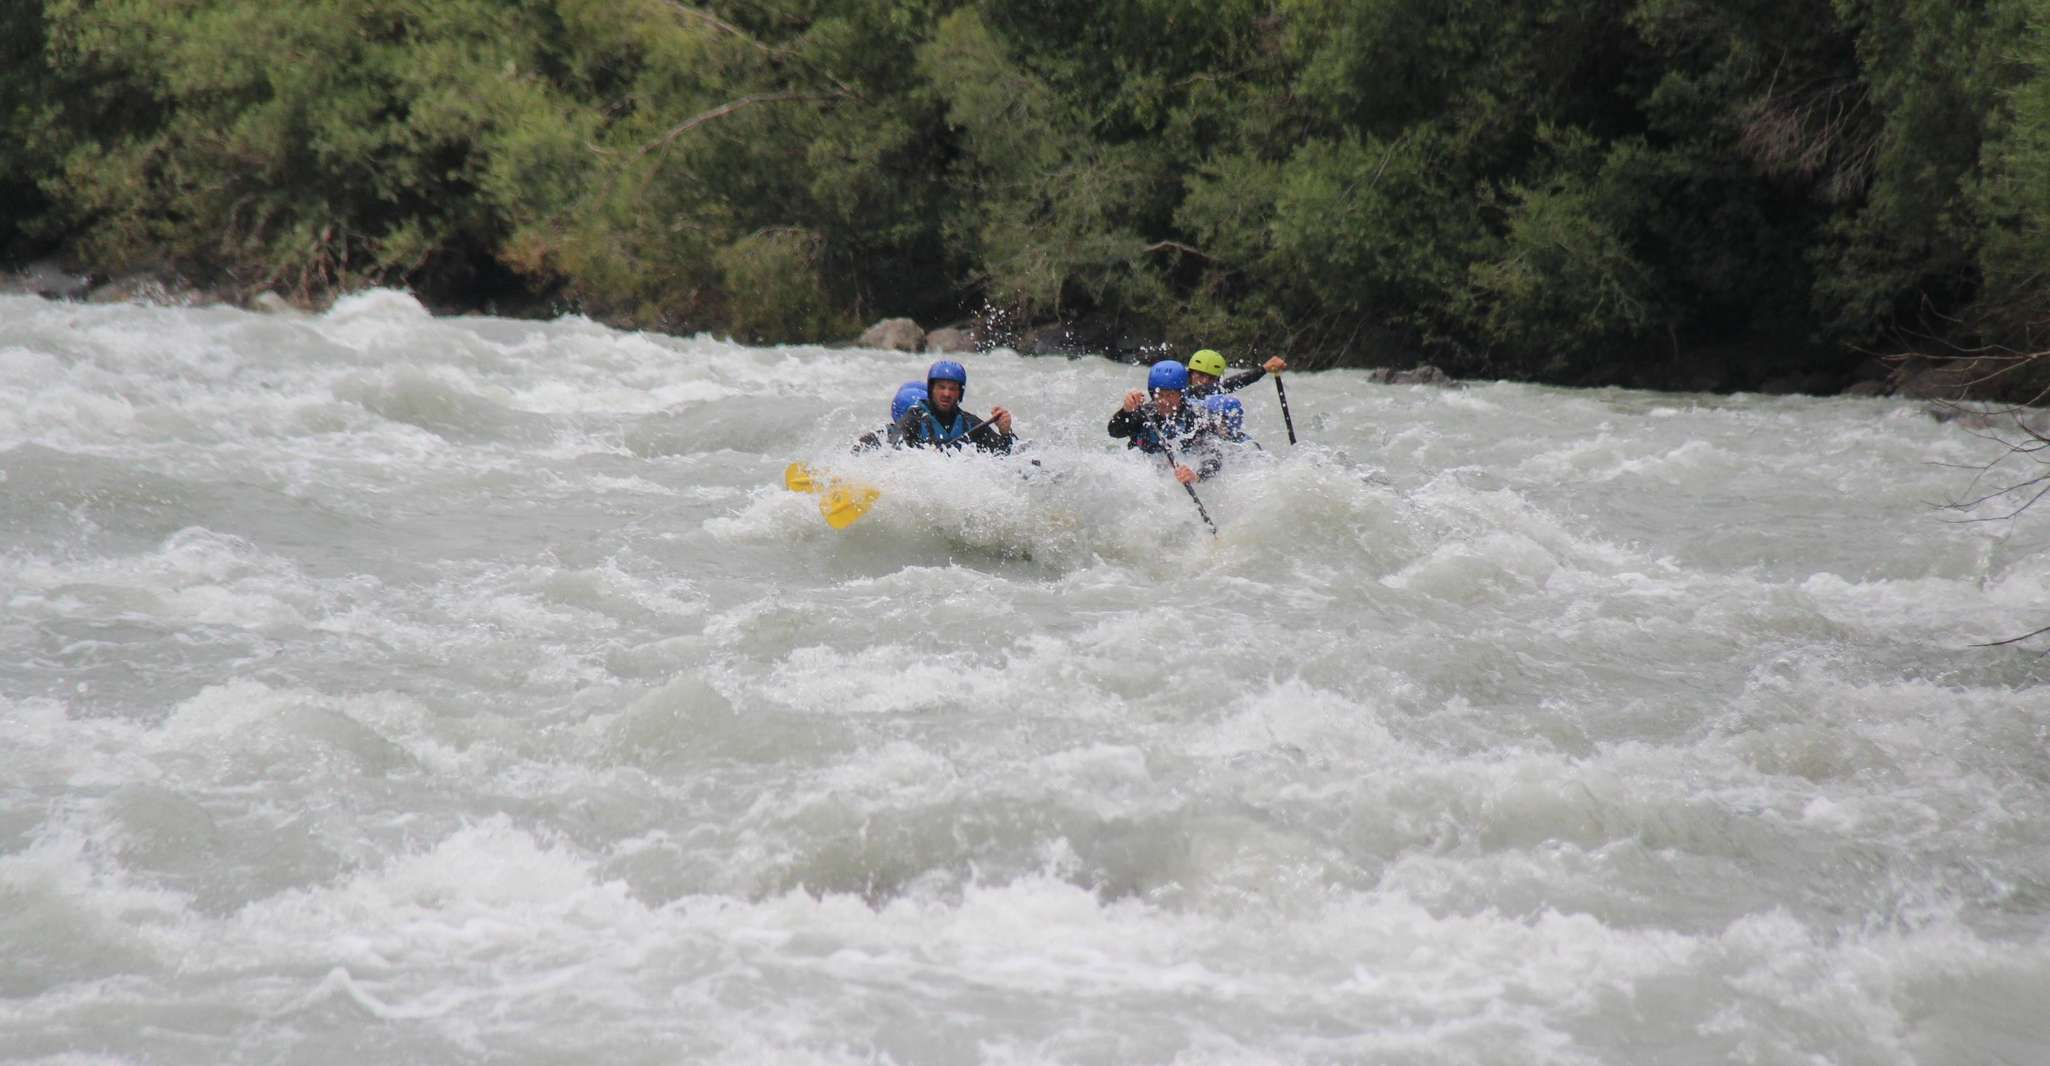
(1155, 434)
(932, 431)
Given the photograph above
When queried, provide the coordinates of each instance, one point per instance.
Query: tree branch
(771, 51)
(729, 108)
(721, 25)
(2013, 640)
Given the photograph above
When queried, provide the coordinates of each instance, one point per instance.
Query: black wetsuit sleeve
(905, 432)
(1125, 423)
(1241, 379)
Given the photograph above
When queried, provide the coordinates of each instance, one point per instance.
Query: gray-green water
(378, 688)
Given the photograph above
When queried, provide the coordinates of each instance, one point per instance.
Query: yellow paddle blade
(842, 504)
(798, 477)
(839, 501)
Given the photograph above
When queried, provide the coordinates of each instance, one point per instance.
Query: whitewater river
(377, 688)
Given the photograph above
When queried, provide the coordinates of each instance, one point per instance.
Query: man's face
(1199, 379)
(946, 394)
(1168, 400)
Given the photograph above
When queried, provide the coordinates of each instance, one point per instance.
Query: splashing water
(380, 687)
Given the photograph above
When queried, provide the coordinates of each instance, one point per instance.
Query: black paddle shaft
(1168, 454)
(1285, 420)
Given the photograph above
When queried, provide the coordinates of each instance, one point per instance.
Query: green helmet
(1207, 362)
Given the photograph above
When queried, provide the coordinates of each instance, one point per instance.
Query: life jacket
(1155, 433)
(933, 431)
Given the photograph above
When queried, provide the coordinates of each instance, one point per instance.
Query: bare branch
(2019, 431)
(721, 25)
(729, 108)
(771, 51)
(2014, 640)
(1969, 504)
(1161, 246)
(1821, 132)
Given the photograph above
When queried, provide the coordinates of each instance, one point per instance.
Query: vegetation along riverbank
(1773, 194)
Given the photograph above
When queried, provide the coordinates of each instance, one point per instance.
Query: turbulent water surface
(381, 688)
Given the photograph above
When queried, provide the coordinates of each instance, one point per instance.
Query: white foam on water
(383, 687)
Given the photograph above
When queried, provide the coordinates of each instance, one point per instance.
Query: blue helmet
(947, 370)
(907, 394)
(1228, 411)
(1167, 374)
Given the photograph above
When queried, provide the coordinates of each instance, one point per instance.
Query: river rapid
(383, 688)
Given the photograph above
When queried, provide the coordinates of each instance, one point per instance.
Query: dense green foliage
(1568, 190)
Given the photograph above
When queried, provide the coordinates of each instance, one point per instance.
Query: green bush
(1560, 190)
(2012, 196)
(776, 290)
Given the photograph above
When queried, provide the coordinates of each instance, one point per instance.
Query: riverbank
(1945, 378)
